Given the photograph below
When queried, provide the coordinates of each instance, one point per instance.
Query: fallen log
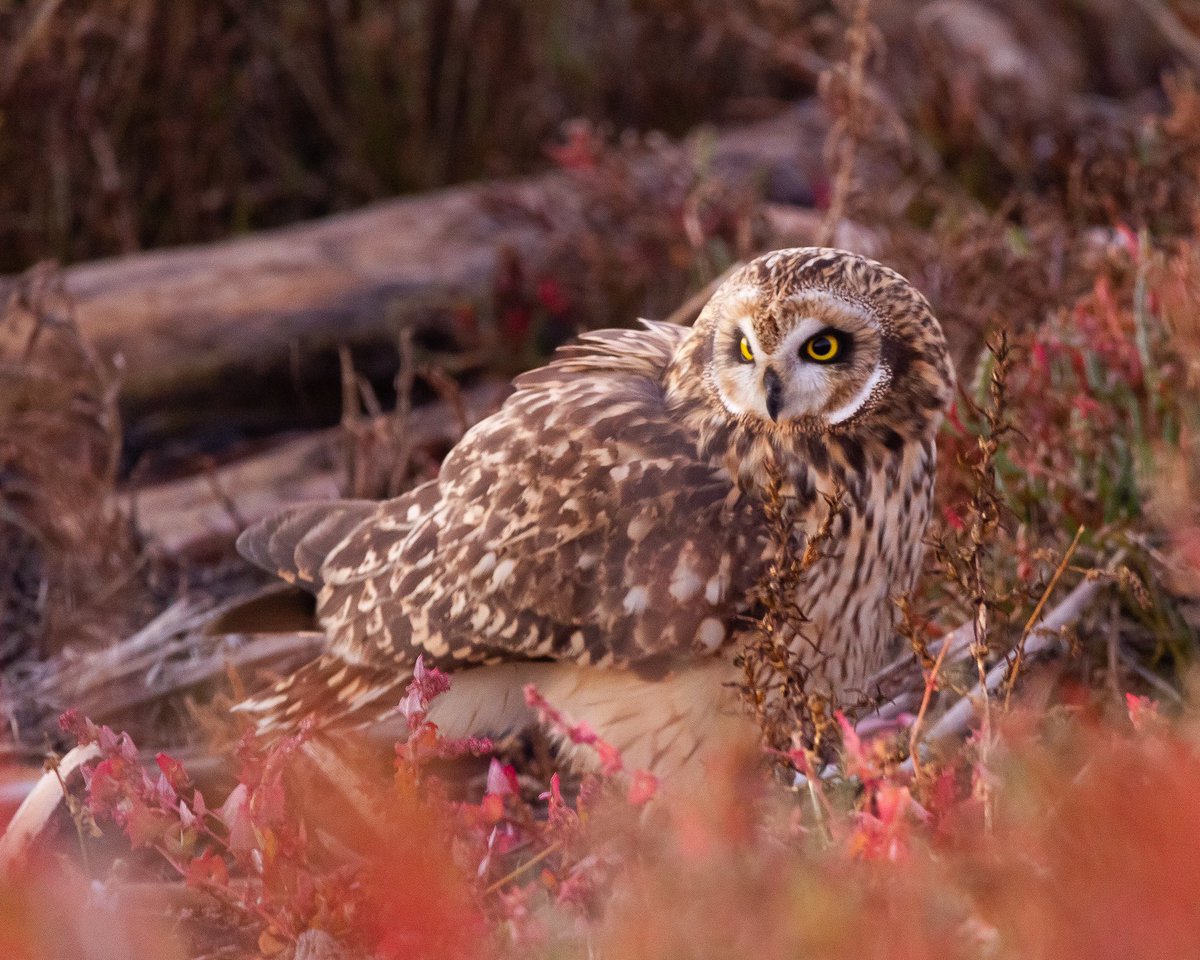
(204, 512)
(188, 317)
(201, 323)
(183, 648)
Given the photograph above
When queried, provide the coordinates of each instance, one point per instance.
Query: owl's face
(817, 339)
(811, 355)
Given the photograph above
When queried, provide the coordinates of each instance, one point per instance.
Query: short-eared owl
(604, 536)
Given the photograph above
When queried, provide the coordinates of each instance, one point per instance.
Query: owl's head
(821, 339)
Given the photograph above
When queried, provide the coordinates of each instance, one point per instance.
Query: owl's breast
(873, 555)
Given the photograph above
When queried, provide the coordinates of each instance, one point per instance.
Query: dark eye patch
(828, 346)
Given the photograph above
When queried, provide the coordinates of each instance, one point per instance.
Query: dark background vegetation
(135, 125)
(128, 126)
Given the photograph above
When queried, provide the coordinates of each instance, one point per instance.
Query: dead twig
(930, 685)
(401, 434)
(36, 810)
(852, 116)
(686, 312)
(524, 867)
(1045, 635)
(1158, 683)
(956, 645)
(1173, 30)
(188, 514)
(1037, 612)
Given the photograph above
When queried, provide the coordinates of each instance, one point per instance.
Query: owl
(604, 534)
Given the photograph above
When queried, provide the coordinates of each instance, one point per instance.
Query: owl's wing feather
(295, 543)
(340, 693)
(575, 523)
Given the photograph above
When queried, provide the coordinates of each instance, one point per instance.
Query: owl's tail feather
(295, 542)
(339, 693)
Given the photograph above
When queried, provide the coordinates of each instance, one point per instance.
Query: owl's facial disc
(813, 357)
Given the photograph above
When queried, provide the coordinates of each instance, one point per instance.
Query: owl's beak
(773, 387)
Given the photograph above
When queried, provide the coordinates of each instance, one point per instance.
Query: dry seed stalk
(777, 662)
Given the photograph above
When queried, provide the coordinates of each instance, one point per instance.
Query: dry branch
(192, 318)
(1042, 635)
(175, 652)
(37, 809)
(193, 514)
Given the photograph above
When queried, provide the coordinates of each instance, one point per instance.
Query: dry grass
(69, 567)
(141, 125)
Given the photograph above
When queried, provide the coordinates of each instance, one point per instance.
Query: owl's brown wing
(575, 523)
(295, 543)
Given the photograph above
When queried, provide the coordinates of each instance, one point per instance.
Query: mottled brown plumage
(603, 534)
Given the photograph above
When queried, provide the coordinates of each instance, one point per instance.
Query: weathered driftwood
(36, 811)
(183, 318)
(209, 509)
(1045, 636)
(176, 652)
(195, 316)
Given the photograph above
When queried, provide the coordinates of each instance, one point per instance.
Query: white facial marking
(855, 403)
(729, 404)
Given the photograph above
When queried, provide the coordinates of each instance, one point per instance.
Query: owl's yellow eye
(823, 348)
(747, 353)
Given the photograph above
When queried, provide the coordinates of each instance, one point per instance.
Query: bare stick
(1037, 612)
(35, 811)
(1045, 636)
(524, 867)
(187, 514)
(405, 378)
(845, 134)
(176, 667)
(342, 778)
(956, 642)
(1173, 30)
(1157, 682)
(930, 683)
